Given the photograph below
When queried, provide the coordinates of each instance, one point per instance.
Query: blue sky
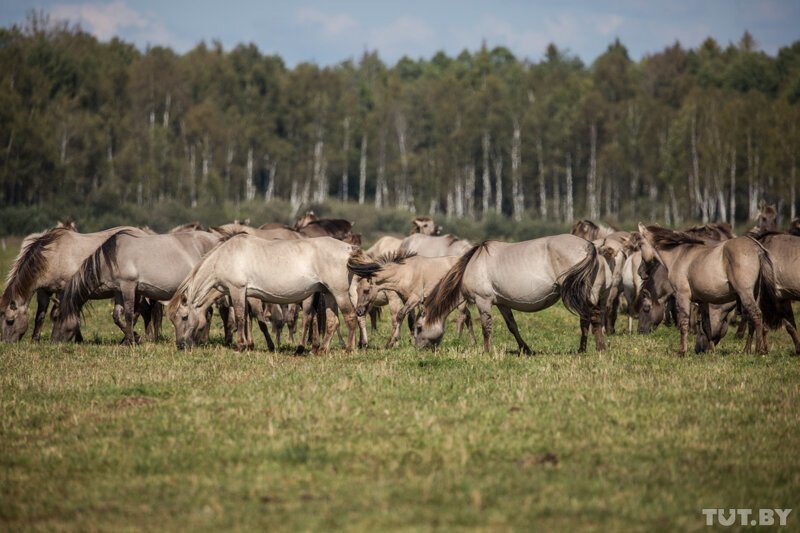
(328, 32)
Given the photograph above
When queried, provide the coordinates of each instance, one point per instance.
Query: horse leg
(410, 304)
(332, 323)
(705, 328)
(128, 292)
(363, 340)
(42, 302)
(753, 313)
(373, 318)
(350, 319)
(259, 312)
(683, 308)
(508, 316)
(306, 325)
(485, 312)
(239, 304)
(791, 327)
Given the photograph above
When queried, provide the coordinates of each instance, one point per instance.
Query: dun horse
(528, 276)
(737, 268)
(273, 271)
(44, 265)
(128, 267)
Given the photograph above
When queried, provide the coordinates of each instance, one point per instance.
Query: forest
(682, 135)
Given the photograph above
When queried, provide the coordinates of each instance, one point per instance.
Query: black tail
(768, 300)
(446, 294)
(576, 287)
(84, 283)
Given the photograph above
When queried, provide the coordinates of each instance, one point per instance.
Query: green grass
(99, 436)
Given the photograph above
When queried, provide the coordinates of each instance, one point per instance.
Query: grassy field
(100, 436)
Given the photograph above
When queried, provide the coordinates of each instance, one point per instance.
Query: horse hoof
(300, 350)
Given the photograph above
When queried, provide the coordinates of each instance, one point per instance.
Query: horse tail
(87, 279)
(446, 294)
(768, 300)
(576, 287)
(361, 265)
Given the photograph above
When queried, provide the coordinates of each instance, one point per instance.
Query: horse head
(188, 321)
(14, 314)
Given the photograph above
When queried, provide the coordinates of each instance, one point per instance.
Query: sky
(328, 32)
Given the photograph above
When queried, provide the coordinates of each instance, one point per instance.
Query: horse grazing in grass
(128, 267)
(527, 276)
(408, 275)
(274, 271)
(738, 268)
(43, 267)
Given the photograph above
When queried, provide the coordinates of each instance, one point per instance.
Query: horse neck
(391, 278)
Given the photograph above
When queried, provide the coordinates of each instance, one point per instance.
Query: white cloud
(330, 25)
(116, 18)
(405, 35)
(608, 24)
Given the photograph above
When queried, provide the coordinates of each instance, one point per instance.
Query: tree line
(683, 134)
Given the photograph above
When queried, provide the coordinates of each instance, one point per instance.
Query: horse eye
(184, 318)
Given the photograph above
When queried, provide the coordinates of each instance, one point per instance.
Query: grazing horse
(612, 250)
(128, 267)
(591, 231)
(44, 265)
(408, 275)
(527, 276)
(712, 274)
(273, 271)
(435, 246)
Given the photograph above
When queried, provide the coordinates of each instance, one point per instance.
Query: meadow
(104, 437)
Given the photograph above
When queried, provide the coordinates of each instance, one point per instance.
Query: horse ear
(642, 230)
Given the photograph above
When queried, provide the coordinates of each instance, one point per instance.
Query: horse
(425, 226)
(128, 267)
(189, 226)
(712, 274)
(784, 251)
(767, 219)
(274, 271)
(435, 246)
(312, 226)
(527, 276)
(656, 301)
(406, 274)
(612, 251)
(591, 230)
(44, 265)
(794, 227)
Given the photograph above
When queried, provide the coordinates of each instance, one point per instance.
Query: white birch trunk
(732, 197)
(165, 119)
(345, 161)
(570, 206)
(381, 189)
(401, 186)
(542, 184)
(269, 194)
(498, 183)
(591, 181)
(192, 176)
(249, 186)
(487, 184)
(517, 194)
(752, 186)
(469, 189)
(362, 171)
(556, 197)
(318, 172)
(701, 204)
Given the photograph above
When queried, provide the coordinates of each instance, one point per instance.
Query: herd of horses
(699, 279)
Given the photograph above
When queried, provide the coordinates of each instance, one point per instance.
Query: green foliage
(105, 123)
